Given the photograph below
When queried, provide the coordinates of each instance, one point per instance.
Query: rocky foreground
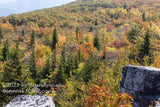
(31, 101)
(143, 83)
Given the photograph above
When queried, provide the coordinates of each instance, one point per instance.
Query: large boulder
(31, 101)
(141, 82)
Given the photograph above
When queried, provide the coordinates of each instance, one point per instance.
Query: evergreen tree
(77, 33)
(32, 62)
(96, 22)
(70, 65)
(60, 76)
(78, 58)
(91, 65)
(145, 47)
(104, 56)
(23, 32)
(79, 55)
(91, 29)
(5, 51)
(47, 68)
(132, 34)
(54, 39)
(144, 16)
(96, 41)
(77, 62)
(2, 95)
(33, 38)
(1, 33)
(15, 72)
(32, 65)
(125, 6)
(54, 59)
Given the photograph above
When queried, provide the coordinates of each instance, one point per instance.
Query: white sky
(6, 1)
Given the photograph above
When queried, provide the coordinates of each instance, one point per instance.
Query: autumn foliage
(80, 48)
(101, 96)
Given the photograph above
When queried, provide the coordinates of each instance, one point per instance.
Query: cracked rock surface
(31, 101)
(143, 83)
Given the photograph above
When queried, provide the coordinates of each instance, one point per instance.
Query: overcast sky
(6, 1)
(8, 7)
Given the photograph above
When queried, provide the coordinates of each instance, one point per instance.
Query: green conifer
(91, 65)
(47, 68)
(54, 59)
(145, 47)
(91, 29)
(5, 51)
(132, 34)
(32, 66)
(144, 16)
(77, 33)
(61, 77)
(54, 39)
(96, 41)
(23, 32)
(1, 33)
(33, 38)
(96, 22)
(15, 72)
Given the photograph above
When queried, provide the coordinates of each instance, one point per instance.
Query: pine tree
(54, 39)
(47, 68)
(77, 61)
(23, 32)
(60, 76)
(77, 33)
(33, 38)
(15, 72)
(5, 51)
(91, 29)
(2, 95)
(96, 41)
(32, 62)
(70, 65)
(79, 55)
(144, 16)
(91, 65)
(104, 56)
(125, 6)
(78, 58)
(96, 22)
(54, 59)
(132, 34)
(1, 34)
(145, 47)
(32, 65)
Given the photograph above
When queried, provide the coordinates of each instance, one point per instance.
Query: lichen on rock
(31, 101)
(143, 83)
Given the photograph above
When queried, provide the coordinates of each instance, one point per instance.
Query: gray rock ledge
(31, 101)
(143, 83)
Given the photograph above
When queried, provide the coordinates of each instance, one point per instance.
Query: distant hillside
(82, 45)
(21, 6)
(89, 10)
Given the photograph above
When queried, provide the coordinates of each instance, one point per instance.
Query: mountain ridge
(22, 6)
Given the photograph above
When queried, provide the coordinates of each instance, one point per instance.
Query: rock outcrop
(31, 101)
(143, 83)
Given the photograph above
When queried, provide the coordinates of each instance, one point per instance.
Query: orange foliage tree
(100, 96)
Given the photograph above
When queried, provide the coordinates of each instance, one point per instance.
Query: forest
(75, 53)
